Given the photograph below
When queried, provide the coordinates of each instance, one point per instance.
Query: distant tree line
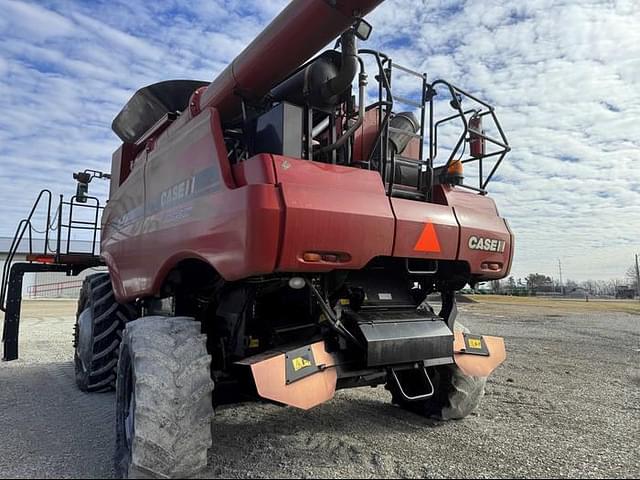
(536, 283)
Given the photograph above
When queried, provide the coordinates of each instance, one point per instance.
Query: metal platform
(64, 223)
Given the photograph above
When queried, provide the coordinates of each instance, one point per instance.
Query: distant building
(577, 292)
(625, 291)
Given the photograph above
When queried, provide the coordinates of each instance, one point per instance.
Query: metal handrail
(456, 95)
(73, 224)
(387, 98)
(25, 226)
(17, 240)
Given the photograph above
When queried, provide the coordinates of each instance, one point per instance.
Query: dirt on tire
(165, 368)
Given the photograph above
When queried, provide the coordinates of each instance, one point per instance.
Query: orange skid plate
(477, 365)
(270, 375)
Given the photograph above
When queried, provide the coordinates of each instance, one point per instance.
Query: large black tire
(98, 330)
(456, 395)
(163, 399)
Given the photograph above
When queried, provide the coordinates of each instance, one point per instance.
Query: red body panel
(332, 209)
(365, 136)
(412, 216)
(478, 216)
(182, 200)
(187, 207)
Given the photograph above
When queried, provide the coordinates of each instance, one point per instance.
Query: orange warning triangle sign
(428, 241)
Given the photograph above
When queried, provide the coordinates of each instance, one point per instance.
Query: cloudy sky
(563, 75)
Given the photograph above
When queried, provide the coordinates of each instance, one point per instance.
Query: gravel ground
(565, 404)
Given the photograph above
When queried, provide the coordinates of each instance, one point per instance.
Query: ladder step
(407, 101)
(404, 132)
(408, 70)
(81, 222)
(410, 377)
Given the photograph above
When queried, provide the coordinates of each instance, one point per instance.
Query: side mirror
(82, 189)
(362, 29)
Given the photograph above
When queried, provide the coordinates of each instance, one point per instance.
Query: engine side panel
(332, 209)
(190, 210)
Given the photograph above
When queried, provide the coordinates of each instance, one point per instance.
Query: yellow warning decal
(474, 343)
(299, 363)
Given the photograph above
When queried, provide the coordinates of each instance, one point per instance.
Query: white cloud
(35, 21)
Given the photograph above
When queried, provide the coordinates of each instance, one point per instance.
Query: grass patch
(571, 305)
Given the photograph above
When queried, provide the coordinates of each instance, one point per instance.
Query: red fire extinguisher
(476, 140)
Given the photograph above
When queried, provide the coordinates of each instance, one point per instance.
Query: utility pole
(560, 269)
(637, 277)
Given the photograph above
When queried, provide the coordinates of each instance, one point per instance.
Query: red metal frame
(34, 291)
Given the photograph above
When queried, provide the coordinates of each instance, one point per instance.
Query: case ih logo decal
(486, 244)
(202, 183)
(178, 192)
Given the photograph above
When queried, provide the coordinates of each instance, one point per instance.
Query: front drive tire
(163, 399)
(98, 330)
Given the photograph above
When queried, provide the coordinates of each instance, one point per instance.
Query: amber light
(311, 257)
(328, 257)
(491, 266)
(455, 168)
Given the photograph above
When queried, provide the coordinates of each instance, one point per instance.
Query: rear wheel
(456, 395)
(163, 399)
(98, 330)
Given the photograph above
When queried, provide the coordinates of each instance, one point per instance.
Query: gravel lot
(565, 404)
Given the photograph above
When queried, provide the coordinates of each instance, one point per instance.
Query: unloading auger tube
(293, 37)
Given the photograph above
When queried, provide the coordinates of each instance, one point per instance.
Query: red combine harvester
(273, 235)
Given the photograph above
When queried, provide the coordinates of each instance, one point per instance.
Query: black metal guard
(457, 95)
(93, 226)
(386, 101)
(426, 172)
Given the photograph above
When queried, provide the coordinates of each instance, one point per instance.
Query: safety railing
(384, 159)
(40, 250)
(25, 226)
(74, 225)
(468, 133)
(53, 289)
